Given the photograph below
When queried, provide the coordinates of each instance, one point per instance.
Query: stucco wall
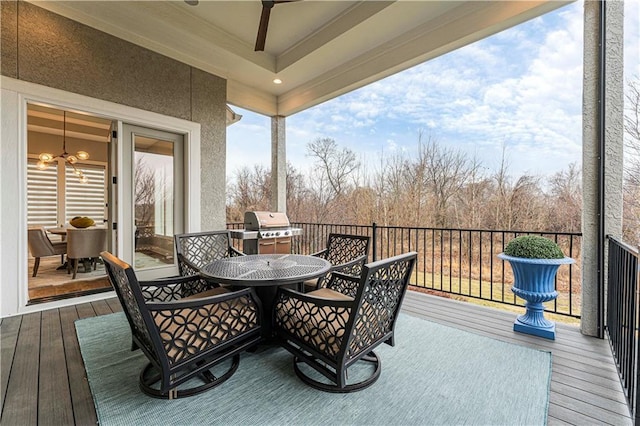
(278, 164)
(613, 117)
(44, 48)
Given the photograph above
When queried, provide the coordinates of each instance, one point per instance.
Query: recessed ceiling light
(277, 81)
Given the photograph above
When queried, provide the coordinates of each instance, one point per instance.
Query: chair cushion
(329, 294)
(207, 293)
(319, 327)
(323, 327)
(310, 285)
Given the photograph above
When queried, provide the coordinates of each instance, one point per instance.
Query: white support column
(278, 164)
(600, 218)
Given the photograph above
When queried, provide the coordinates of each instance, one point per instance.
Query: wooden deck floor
(43, 379)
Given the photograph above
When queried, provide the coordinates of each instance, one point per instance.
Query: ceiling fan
(267, 5)
(264, 22)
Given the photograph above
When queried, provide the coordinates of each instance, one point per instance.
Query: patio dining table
(265, 272)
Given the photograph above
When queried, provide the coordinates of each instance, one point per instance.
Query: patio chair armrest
(171, 288)
(233, 252)
(186, 267)
(352, 267)
(321, 253)
(193, 302)
(290, 294)
(165, 281)
(344, 283)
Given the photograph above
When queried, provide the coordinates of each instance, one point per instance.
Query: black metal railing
(622, 318)
(454, 262)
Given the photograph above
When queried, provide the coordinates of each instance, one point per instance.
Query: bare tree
(565, 212)
(144, 194)
(439, 187)
(446, 173)
(336, 165)
(469, 205)
(631, 195)
(251, 191)
(632, 132)
(515, 203)
(333, 178)
(297, 195)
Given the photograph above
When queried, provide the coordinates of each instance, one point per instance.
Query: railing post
(375, 241)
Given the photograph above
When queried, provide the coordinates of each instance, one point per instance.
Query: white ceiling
(319, 49)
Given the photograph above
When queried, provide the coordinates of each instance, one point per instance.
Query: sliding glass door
(154, 207)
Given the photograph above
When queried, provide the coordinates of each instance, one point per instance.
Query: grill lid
(255, 221)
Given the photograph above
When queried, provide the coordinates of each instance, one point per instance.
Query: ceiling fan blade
(192, 2)
(264, 24)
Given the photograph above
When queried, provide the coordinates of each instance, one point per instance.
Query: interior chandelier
(46, 158)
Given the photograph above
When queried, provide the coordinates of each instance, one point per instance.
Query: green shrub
(533, 247)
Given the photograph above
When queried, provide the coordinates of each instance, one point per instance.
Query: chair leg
(36, 265)
(75, 268)
(149, 378)
(339, 384)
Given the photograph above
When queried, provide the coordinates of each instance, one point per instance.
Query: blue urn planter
(534, 281)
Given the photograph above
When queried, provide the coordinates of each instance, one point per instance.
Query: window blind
(86, 199)
(42, 205)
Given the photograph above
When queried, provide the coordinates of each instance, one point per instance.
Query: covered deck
(44, 380)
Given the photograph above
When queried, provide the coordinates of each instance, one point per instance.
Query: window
(53, 200)
(88, 199)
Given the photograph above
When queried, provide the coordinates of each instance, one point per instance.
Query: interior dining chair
(184, 337)
(333, 328)
(41, 246)
(346, 253)
(196, 249)
(85, 245)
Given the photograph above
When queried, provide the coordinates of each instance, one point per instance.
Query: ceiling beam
(353, 16)
(466, 24)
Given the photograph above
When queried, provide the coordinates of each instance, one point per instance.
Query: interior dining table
(62, 230)
(265, 272)
(59, 230)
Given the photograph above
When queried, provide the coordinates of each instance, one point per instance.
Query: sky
(520, 90)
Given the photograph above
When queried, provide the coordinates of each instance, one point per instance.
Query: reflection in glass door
(157, 198)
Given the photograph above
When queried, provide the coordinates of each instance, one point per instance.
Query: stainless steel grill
(266, 233)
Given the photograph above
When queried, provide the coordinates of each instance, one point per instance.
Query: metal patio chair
(184, 337)
(347, 253)
(334, 327)
(194, 250)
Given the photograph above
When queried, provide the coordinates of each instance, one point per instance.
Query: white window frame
(14, 97)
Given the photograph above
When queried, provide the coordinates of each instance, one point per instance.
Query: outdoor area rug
(434, 375)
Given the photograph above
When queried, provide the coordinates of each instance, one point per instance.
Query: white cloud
(521, 88)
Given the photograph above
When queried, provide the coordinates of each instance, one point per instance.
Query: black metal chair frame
(184, 339)
(332, 334)
(340, 252)
(196, 249)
